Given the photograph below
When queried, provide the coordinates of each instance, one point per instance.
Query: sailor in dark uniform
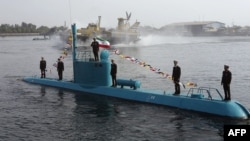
(225, 81)
(43, 67)
(95, 46)
(60, 68)
(113, 72)
(176, 77)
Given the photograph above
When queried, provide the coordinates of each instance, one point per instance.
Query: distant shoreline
(19, 34)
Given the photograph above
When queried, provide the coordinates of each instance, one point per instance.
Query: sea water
(32, 112)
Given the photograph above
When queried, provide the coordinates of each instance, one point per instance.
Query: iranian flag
(103, 43)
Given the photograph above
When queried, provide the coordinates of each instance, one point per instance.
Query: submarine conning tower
(86, 70)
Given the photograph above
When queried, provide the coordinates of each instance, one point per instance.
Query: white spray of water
(151, 40)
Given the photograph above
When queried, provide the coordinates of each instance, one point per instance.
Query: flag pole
(73, 27)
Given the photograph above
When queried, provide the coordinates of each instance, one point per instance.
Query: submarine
(93, 77)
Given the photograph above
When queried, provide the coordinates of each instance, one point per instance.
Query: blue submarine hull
(231, 109)
(94, 77)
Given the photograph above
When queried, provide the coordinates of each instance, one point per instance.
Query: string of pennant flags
(140, 63)
(151, 68)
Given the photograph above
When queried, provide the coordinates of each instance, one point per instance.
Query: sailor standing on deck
(60, 68)
(176, 78)
(95, 46)
(113, 72)
(43, 67)
(225, 81)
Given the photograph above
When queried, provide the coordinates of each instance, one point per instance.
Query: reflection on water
(43, 90)
(60, 93)
(101, 106)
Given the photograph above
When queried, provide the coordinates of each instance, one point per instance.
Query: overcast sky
(155, 13)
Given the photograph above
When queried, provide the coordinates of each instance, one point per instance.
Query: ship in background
(124, 33)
